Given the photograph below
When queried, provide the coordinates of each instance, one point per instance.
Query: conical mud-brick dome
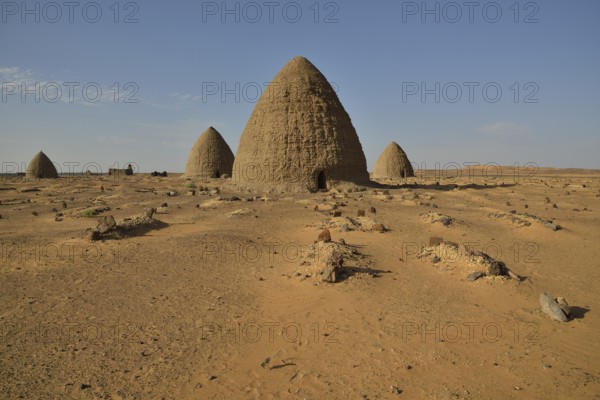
(299, 137)
(210, 157)
(393, 164)
(40, 166)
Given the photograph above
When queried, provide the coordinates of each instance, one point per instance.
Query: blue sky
(379, 56)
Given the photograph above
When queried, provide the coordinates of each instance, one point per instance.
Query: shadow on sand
(435, 186)
(578, 312)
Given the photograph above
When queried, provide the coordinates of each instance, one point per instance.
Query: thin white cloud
(25, 85)
(182, 98)
(22, 85)
(116, 139)
(503, 128)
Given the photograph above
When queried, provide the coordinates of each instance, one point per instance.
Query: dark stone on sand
(324, 236)
(475, 275)
(332, 269)
(106, 224)
(497, 268)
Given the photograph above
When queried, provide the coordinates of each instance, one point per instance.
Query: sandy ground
(222, 306)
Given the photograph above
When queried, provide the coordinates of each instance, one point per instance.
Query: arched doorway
(321, 180)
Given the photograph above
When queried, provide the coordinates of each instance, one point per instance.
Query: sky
(104, 84)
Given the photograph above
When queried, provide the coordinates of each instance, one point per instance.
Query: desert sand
(224, 300)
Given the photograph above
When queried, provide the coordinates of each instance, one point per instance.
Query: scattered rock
(342, 241)
(433, 217)
(475, 275)
(324, 236)
(551, 225)
(497, 268)
(326, 207)
(513, 275)
(360, 213)
(461, 257)
(337, 214)
(266, 362)
(373, 210)
(85, 386)
(344, 228)
(524, 219)
(241, 212)
(564, 306)
(333, 267)
(551, 307)
(106, 224)
(64, 204)
(378, 228)
(396, 390)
